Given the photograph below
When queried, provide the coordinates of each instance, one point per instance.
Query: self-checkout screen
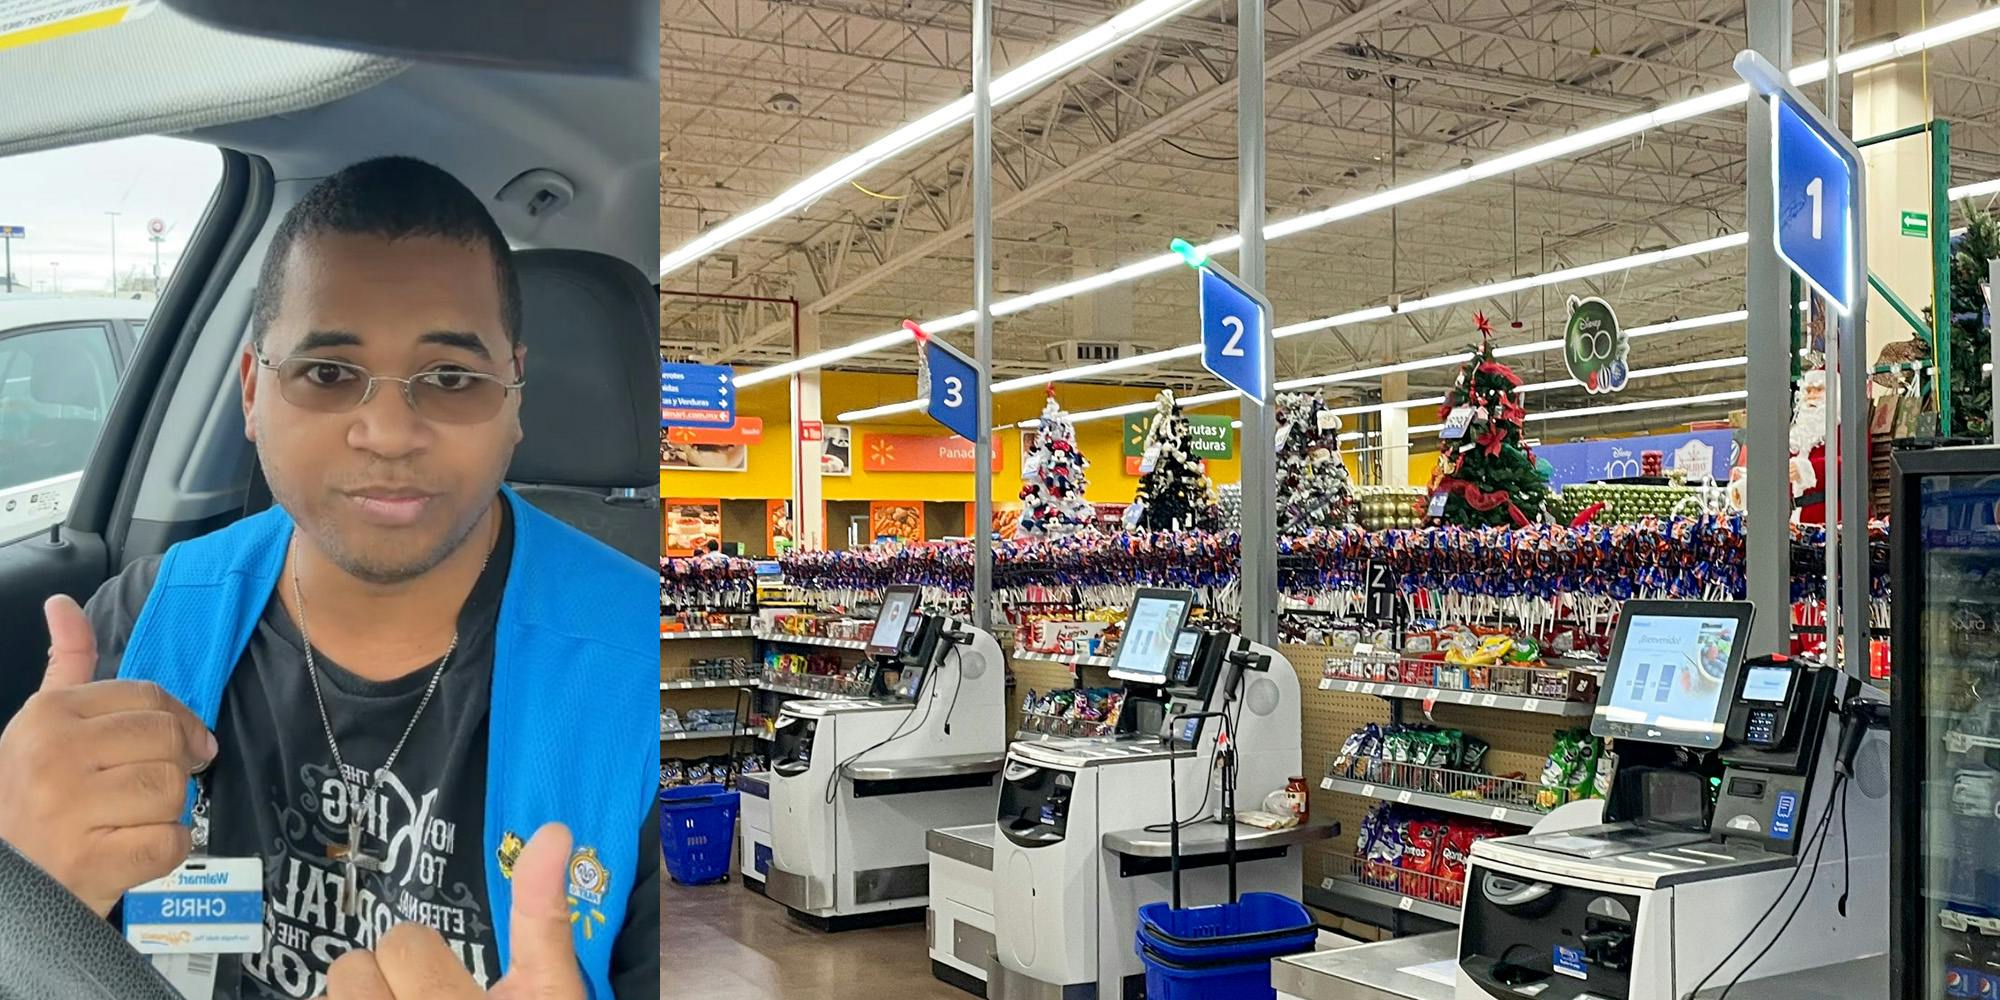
(894, 616)
(1670, 678)
(1151, 628)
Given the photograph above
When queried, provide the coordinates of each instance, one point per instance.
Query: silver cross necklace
(350, 855)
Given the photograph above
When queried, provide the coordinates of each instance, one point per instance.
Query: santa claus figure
(1808, 469)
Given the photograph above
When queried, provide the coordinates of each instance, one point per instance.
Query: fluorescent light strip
(1592, 411)
(1679, 369)
(1942, 34)
(1974, 190)
(1134, 20)
(1577, 273)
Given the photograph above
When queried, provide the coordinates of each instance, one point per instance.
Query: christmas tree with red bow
(1053, 481)
(1485, 476)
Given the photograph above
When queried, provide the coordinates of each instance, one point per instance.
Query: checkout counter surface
(1211, 838)
(928, 767)
(1373, 972)
(972, 844)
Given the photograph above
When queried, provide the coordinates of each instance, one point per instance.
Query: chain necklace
(350, 854)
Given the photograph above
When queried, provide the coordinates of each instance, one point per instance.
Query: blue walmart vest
(572, 717)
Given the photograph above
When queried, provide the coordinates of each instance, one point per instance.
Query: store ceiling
(1118, 157)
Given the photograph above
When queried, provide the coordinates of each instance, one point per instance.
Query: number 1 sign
(1815, 172)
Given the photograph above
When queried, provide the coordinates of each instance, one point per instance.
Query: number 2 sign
(1235, 333)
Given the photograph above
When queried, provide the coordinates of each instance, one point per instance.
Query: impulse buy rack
(1515, 711)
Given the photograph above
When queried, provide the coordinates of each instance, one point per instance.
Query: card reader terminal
(1768, 696)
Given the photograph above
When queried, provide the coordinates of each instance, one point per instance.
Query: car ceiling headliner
(310, 110)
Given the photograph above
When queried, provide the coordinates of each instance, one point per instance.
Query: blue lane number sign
(1235, 333)
(954, 396)
(1815, 174)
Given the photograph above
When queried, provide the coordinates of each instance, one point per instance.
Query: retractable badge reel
(205, 908)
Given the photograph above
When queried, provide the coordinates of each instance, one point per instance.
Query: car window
(89, 236)
(56, 386)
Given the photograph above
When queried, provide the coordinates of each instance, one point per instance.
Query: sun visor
(585, 37)
(144, 69)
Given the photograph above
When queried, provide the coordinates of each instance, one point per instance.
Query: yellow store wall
(770, 472)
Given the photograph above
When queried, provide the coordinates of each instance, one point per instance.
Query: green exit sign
(1916, 224)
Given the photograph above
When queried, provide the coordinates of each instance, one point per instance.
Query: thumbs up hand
(413, 963)
(94, 773)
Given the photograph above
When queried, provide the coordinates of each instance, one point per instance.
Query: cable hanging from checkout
(1838, 799)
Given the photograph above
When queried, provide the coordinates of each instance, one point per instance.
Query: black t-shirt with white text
(272, 793)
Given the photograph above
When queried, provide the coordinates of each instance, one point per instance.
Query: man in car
(388, 685)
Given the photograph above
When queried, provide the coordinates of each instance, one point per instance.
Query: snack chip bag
(1454, 851)
(1420, 849)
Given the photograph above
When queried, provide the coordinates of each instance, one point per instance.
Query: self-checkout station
(1042, 902)
(1741, 845)
(856, 782)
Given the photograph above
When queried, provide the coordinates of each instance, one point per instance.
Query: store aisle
(723, 942)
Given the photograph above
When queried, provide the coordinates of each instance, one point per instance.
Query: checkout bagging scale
(856, 782)
(1043, 904)
(1742, 849)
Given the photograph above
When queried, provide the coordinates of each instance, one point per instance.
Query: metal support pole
(981, 529)
(1855, 374)
(1767, 435)
(1837, 363)
(1992, 374)
(1259, 545)
(1847, 424)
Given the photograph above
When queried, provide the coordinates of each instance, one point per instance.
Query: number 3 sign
(953, 390)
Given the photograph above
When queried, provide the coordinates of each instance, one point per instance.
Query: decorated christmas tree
(1485, 475)
(1052, 479)
(1174, 493)
(1230, 497)
(1313, 489)
(1971, 324)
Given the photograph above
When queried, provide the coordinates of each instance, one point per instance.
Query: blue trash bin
(697, 832)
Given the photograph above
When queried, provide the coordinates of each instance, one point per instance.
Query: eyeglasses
(448, 395)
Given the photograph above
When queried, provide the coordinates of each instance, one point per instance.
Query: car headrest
(591, 325)
(63, 381)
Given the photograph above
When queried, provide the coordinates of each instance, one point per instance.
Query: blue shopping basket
(697, 832)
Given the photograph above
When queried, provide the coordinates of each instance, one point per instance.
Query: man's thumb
(72, 645)
(542, 963)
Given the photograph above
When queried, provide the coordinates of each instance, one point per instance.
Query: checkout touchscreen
(1151, 629)
(1670, 678)
(887, 638)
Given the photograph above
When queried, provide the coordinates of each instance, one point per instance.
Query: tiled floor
(724, 942)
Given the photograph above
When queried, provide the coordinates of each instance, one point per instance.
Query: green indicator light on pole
(1189, 253)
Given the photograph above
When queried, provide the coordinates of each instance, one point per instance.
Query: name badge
(205, 906)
